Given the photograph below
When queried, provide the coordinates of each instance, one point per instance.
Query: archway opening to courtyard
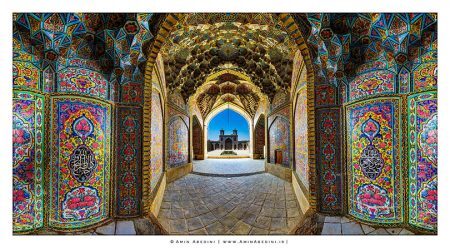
(228, 133)
(228, 144)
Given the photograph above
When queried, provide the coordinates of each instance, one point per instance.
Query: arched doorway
(212, 134)
(259, 138)
(197, 139)
(228, 144)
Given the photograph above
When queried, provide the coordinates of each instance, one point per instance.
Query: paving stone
(379, 231)
(228, 207)
(165, 205)
(178, 213)
(194, 223)
(394, 231)
(109, 229)
(278, 223)
(290, 197)
(216, 229)
(259, 202)
(331, 229)
(406, 232)
(345, 220)
(125, 228)
(229, 221)
(262, 222)
(254, 209)
(280, 204)
(189, 213)
(266, 212)
(293, 212)
(201, 231)
(291, 204)
(165, 213)
(249, 218)
(352, 228)
(258, 231)
(279, 213)
(241, 228)
(178, 226)
(367, 229)
(219, 212)
(175, 204)
(202, 208)
(269, 203)
(333, 219)
(238, 212)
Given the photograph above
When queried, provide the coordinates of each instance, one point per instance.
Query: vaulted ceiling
(345, 44)
(253, 44)
(116, 42)
(228, 87)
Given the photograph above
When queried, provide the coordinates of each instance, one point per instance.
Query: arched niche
(197, 139)
(259, 138)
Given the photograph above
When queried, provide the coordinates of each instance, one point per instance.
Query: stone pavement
(256, 204)
(228, 166)
(336, 225)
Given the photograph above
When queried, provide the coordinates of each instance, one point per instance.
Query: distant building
(228, 142)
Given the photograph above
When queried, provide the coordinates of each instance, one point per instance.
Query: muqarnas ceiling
(197, 49)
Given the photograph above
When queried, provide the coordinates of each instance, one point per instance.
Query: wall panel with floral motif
(325, 95)
(374, 149)
(423, 158)
(80, 179)
(26, 75)
(328, 159)
(132, 93)
(425, 77)
(28, 160)
(371, 84)
(83, 81)
(129, 159)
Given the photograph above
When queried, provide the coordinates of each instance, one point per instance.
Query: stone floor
(256, 204)
(344, 226)
(228, 166)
